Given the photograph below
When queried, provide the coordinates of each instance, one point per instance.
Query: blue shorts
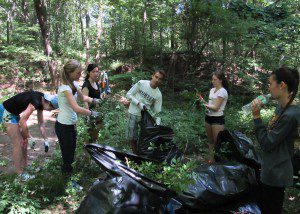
(7, 117)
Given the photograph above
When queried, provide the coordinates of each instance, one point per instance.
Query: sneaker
(26, 177)
(46, 145)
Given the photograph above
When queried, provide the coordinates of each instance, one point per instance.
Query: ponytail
(68, 68)
(291, 78)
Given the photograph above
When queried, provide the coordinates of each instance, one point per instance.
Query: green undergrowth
(50, 189)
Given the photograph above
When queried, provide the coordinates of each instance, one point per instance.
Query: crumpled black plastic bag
(216, 184)
(156, 141)
(121, 194)
(239, 148)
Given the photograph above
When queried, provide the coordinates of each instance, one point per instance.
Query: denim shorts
(7, 117)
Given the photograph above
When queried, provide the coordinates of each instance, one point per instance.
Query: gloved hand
(103, 95)
(97, 101)
(142, 106)
(46, 145)
(95, 114)
(31, 142)
(158, 120)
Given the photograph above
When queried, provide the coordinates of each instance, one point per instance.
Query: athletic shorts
(7, 117)
(132, 127)
(215, 120)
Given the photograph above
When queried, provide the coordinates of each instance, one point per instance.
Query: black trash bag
(216, 185)
(236, 146)
(121, 195)
(245, 205)
(155, 141)
(113, 162)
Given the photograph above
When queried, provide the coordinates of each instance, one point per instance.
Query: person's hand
(103, 95)
(31, 142)
(95, 114)
(97, 101)
(142, 106)
(207, 110)
(256, 105)
(200, 97)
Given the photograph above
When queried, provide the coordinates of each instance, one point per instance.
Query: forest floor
(6, 88)
(291, 197)
(38, 152)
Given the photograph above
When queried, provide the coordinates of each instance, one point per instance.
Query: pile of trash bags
(156, 141)
(226, 186)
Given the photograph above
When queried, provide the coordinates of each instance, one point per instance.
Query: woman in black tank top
(17, 130)
(91, 88)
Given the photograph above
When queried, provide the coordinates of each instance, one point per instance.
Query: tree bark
(9, 20)
(99, 32)
(41, 12)
(25, 11)
(87, 36)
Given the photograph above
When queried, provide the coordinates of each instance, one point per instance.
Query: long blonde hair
(69, 68)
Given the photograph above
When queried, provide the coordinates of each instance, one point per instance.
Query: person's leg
(73, 144)
(19, 159)
(209, 134)
(215, 131)
(65, 135)
(132, 132)
(271, 199)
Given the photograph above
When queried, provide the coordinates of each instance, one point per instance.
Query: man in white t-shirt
(143, 95)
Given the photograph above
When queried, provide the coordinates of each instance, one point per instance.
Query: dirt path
(38, 151)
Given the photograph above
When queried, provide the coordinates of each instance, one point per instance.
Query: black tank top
(19, 103)
(93, 93)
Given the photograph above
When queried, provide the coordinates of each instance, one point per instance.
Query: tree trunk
(143, 45)
(99, 32)
(9, 20)
(87, 36)
(224, 51)
(25, 11)
(160, 46)
(41, 12)
(82, 30)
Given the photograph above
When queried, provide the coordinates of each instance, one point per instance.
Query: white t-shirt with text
(142, 92)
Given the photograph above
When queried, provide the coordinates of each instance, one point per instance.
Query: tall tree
(41, 12)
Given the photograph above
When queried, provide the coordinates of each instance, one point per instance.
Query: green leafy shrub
(177, 176)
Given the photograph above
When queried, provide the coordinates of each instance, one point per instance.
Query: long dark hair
(221, 76)
(90, 67)
(290, 77)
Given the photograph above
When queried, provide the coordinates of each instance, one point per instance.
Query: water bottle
(263, 98)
